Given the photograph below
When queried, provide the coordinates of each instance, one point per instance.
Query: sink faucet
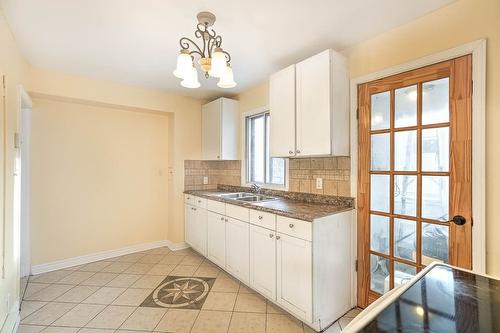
(255, 188)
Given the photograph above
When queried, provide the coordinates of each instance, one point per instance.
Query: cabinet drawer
(189, 199)
(216, 207)
(237, 212)
(263, 219)
(294, 227)
(200, 202)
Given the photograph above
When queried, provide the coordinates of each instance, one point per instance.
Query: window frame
(244, 149)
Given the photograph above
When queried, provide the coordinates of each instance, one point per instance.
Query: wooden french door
(414, 176)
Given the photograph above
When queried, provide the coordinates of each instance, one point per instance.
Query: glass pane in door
(379, 233)
(379, 274)
(436, 149)
(380, 110)
(435, 102)
(405, 151)
(380, 152)
(379, 193)
(435, 197)
(405, 239)
(435, 244)
(405, 112)
(405, 195)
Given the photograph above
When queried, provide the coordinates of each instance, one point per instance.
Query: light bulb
(218, 65)
(191, 79)
(227, 79)
(184, 64)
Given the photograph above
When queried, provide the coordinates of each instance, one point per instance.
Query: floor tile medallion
(180, 292)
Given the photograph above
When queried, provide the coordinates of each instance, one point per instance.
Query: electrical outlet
(319, 183)
(205, 180)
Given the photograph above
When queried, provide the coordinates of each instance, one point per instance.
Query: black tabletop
(443, 300)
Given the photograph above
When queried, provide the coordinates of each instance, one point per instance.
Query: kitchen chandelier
(213, 60)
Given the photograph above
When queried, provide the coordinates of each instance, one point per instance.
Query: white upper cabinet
(282, 106)
(317, 103)
(220, 130)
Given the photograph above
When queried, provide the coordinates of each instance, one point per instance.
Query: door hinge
(17, 140)
(357, 113)
(3, 85)
(356, 265)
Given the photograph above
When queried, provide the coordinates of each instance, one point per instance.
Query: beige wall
(13, 67)
(461, 22)
(183, 131)
(98, 179)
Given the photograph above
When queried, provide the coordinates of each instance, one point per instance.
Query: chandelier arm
(184, 43)
(228, 56)
(196, 52)
(216, 41)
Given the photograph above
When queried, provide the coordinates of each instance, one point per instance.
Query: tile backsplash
(218, 172)
(335, 172)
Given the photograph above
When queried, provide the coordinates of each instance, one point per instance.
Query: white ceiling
(136, 41)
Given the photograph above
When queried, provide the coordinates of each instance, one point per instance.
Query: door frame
(478, 50)
(25, 106)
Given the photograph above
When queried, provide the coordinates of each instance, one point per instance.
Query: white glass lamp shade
(218, 65)
(227, 79)
(191, 79)
(184, 65)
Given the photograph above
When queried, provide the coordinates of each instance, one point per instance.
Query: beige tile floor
(104, 296)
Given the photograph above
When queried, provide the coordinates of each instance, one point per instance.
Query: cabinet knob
(189, 198)
(225, 220)
(199, 201)
(218, 156)
(193, 208)
(291, 225)
(290, 152)
(260, 217)
(278, 237)
(297, 151)
(271, 235)
(222, 219)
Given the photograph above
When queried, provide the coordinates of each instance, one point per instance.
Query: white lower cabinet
(263, 261)
(216, 238)
(238, 249)
(196, 228)
(294, 275)
(304, 267)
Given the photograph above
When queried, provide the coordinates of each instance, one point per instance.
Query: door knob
(458, 220)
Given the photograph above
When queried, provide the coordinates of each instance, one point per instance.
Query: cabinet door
(199, 228)
(237, 249)
(294, 275)
(263, 261)
(211, 130)
(188, 223)
(313, 105)
(216, 238)
(282, 110)
(229, 129)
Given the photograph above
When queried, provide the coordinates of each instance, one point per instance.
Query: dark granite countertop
(302, 206)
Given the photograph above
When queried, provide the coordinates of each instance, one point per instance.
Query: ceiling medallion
(213, 60)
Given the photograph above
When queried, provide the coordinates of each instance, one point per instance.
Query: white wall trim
(12, 321)
(85, 259)
(478, 51)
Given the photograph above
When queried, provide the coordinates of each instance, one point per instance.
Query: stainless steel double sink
(248, 197)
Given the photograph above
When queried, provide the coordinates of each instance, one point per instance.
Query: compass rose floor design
(179, 292)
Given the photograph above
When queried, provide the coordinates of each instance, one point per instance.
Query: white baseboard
(12, 321)
(81, 260)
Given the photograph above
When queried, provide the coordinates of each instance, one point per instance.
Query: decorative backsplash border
(307, 197)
